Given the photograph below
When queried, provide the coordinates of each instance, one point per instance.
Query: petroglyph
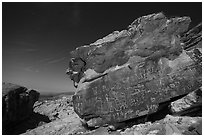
(128, 73)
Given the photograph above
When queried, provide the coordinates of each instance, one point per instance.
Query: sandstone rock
(71, 124)
(17, 104)
(54, 109)
(170, 125)
(127, 74)
(193, 38)
(66, 122)
(65, 126)
(184, 105)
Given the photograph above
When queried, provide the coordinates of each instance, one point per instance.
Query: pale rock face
(55, 109)
(192, 100)
(127, 74)
(170, 125)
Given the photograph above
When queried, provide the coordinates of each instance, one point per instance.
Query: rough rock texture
(191, 102)
(170, 125)
(128, 73)
(65, 126)
(47, 114)
(17, 104)
(193, 38)
(54, 109)
(63, 118)
(72, 124)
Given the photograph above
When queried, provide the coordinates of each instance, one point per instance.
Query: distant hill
(54, 96)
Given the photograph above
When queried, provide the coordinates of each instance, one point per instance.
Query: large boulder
(128, 73)
(17, 104)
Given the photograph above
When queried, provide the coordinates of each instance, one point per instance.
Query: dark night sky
(37, 37)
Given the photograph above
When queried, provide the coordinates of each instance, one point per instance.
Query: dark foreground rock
(128, 74)
(17, 105)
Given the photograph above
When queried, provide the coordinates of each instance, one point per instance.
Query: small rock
(192, 100)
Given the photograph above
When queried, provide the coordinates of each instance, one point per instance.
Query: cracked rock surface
(128, 73)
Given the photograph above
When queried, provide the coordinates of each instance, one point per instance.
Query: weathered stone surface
(54, 109)
(17, 104)
(127, 74)
(170, 125)
(63, 118)
(64, 126)
(193, 38)
(71, 123)
(184, 105)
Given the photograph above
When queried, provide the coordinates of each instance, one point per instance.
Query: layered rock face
(128, 73)
(17, 104)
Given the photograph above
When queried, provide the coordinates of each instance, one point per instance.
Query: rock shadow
(161, 113)
(35, 120)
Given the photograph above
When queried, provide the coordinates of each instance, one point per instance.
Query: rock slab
(170, 125)
(188, 103)
(128, 73)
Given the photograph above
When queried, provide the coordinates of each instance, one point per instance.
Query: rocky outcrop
(69, 123)
(54, 109)
(127, 74)
(170, 125)
(142, 81)
(64, 126)
(17, 104)
(63, 118)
